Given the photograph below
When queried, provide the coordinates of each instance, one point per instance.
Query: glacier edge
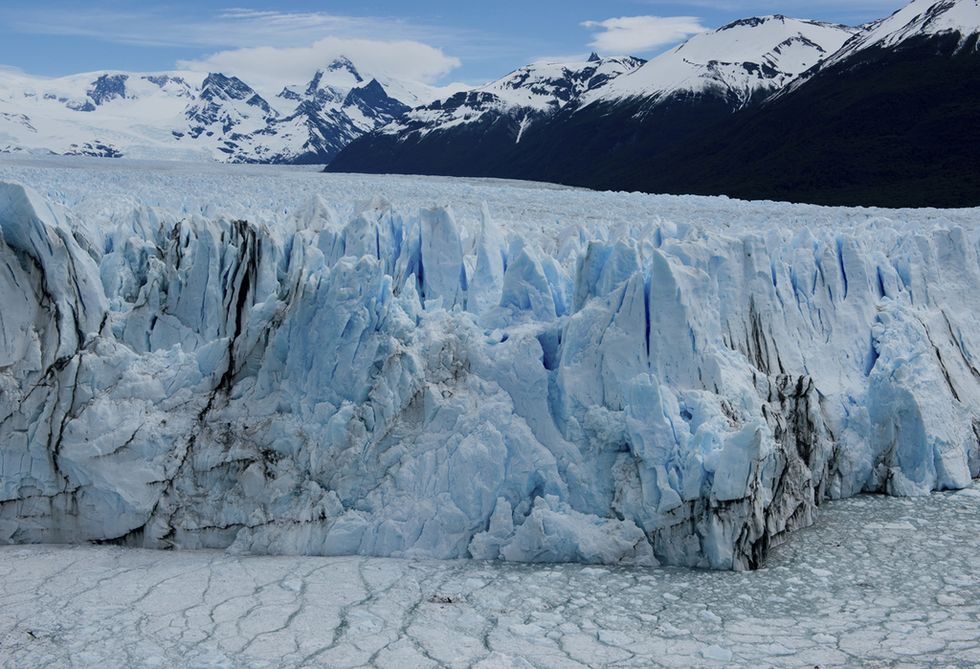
(418, 385)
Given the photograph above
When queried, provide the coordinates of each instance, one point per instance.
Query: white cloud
(156, 25)
(274, 46)
(639, 34)
(270, 66)
(806, 7)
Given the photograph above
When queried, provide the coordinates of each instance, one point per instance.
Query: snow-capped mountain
(763, 108)
(891, 118)
(548, 86)
(192, 115)
(321, 124)
(741, 61)
(512, 103)
(227, 109)
(563, 114)
(309, 123)
(103, 114)
(919, 19)
(952, 22)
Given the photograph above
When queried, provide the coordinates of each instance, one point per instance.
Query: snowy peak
(321, 126)
(373, 101)
(525, 95)
(332, 86)
(336, 106)
(545, 86)
(220, 88)
(315, 91)
(174, 85)
(920, 18)
(192, 115)
(788, 45)
(226, 108)
(343, 68)
(88, 92)
(339, 75)
(105, 88)
(738, 61)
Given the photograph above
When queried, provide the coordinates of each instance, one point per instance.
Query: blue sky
(433, 40)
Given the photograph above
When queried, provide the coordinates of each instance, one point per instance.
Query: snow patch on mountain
(125, 112)
(739, 61)
(917, 19)
(192, 115)
(525, 95)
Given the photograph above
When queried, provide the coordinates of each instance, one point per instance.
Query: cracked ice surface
(277, 361)
(876, 582)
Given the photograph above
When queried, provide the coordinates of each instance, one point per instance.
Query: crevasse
(409, 384)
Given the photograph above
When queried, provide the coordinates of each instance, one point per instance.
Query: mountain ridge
(886, 118)
(193, 115)
(693, 86)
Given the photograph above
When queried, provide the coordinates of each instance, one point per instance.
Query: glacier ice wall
(415, 385)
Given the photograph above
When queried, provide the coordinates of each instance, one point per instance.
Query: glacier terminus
(282, 362)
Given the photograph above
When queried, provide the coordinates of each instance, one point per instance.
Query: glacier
(280, 362)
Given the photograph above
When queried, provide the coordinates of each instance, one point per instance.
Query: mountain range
(775, 108)
(763, 108)
(191, 115)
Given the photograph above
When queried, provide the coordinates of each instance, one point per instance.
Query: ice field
(276, 361)
(877, 582)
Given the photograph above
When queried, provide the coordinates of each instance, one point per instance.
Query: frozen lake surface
(876, 582)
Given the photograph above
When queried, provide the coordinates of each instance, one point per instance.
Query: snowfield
(279, 361)
(876, 582)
